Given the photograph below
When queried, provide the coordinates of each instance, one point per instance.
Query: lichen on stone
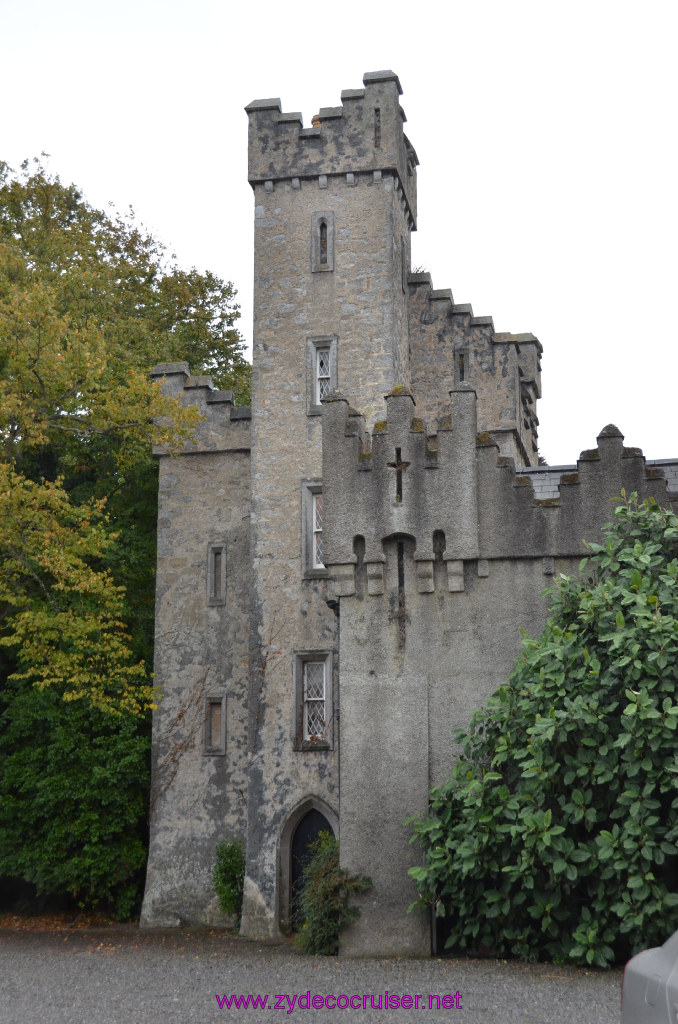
(483, 439)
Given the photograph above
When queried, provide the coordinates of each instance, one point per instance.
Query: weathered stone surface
(416, 423)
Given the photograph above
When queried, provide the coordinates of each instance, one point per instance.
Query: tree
(557, 832)
(88, 304)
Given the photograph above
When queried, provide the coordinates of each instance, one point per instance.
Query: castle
(343, 568)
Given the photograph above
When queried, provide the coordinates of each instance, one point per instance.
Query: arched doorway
(306, 832)
(303, 826)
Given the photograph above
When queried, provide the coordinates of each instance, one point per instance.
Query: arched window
(322, 241)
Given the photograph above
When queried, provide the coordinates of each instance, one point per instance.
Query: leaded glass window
(315, 727)
(322, 373)
(318, 532)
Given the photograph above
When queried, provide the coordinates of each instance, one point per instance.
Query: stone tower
(334, 206)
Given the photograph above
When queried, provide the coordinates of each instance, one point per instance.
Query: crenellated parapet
(457, 497)
(361, 139)
(399, 482)
(223, 427)
(450, 347)
(515, 522)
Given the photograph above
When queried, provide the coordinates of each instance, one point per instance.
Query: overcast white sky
(546, 135)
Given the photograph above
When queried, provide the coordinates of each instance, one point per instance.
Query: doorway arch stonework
(310, 803)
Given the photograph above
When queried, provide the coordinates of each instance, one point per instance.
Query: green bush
(324, 898)
(229, 877)
(556, 833)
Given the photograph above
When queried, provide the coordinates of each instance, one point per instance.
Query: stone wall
(435, 576)
(439, 533)
(201, 655)
(452, 348)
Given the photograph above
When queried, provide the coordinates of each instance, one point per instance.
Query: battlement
(223, 425)
(402, 482)
(450, 346)
(364, 136)
(517, 517)
(401, 485)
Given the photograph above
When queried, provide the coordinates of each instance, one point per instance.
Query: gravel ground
(119, 975)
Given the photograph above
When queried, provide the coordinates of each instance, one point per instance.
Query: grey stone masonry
(362, 136)
(201, 654)
(399, 485)
(546, 479)
(344, 569)
(669, 468)
(437, 555)
(450, 348)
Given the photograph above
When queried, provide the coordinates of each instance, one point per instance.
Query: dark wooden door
(308, 829)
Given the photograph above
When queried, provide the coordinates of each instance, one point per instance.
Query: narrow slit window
(402, 613)
(217, 556)
(216, 574)
(323, 243)
(318, 532)
(377, 127)
(312, 546)
(461, 362)
(315, 722)
(215, 723)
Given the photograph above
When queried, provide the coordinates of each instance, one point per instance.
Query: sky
(546, 135)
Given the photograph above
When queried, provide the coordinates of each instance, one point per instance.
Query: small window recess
(315, 717)
(322, 374)
(322, 241)
(216, 574)
(313, 689)
(462, 367)
(312, 553)
(321, 371)
(318, 531)
(377, 127)
(214, 741)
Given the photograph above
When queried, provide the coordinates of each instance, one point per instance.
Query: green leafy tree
(557, 833)
(88, 304)
(73, 796)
